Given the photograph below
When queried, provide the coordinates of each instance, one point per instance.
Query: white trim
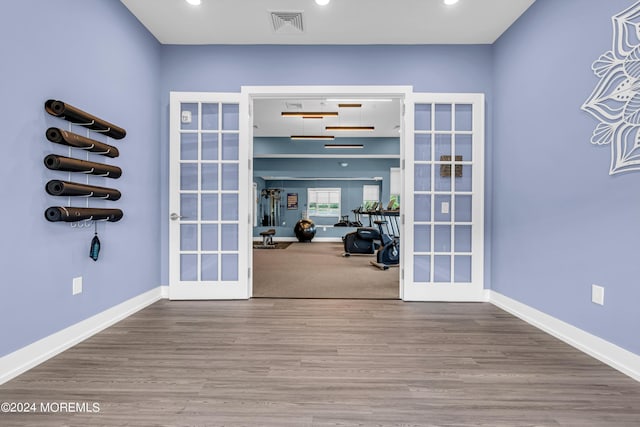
(32, 355)
(618, 358)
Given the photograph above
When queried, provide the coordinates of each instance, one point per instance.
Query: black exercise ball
(305, 230)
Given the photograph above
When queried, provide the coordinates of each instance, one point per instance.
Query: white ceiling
(268, 120)
(340, 22)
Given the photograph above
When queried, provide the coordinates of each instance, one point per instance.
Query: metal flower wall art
(615, 102)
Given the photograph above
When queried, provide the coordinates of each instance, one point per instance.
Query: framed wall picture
(292, 201)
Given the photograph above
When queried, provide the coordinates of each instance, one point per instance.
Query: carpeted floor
(318, 270)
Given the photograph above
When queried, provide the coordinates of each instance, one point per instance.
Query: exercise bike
(364, 241)
(388, 255)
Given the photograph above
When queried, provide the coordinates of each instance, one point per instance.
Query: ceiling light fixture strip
(350, 128)
(309, 114)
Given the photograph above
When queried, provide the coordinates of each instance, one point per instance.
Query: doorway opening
(331, 160)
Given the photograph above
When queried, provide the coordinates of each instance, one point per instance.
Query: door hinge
(249, 163)
(402, 164)
(402, 274)
(402, 219)
(404, 109)
(249, 273)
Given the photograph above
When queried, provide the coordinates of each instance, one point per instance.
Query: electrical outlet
(77, 285)
(597, 294)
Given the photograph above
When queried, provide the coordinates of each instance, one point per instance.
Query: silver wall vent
(287, 22)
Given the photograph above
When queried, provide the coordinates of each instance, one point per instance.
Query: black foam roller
(56, 187)
(82, 118)
(68, 164)
(72, 214)
(71, 139)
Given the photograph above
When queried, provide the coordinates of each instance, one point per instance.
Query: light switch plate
(597, 294)
(444, 208)
(185, 117)
(77, 285)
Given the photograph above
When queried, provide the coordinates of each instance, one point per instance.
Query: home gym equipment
(267, 239)
(362, 241)
(346, 222)
(388, 255)
(271, 217)
(305, 230)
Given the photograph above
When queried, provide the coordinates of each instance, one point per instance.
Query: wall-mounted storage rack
(72, 165)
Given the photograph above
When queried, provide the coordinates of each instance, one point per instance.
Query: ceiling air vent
(287, 22)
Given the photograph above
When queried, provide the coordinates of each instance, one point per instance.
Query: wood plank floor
(283, 362)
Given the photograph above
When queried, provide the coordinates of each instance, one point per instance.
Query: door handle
(174, 216)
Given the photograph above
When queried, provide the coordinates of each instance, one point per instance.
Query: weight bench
(267, 237)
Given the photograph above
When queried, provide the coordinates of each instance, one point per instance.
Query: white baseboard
(618, 358)
(22, 360)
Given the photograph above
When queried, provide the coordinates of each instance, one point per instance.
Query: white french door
(208, 196)
(442, 170)
(443, 196)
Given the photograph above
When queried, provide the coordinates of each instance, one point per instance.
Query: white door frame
(250, 93)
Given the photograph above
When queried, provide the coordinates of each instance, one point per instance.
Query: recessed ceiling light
(194, 2)
(450, 2)
(322, 2)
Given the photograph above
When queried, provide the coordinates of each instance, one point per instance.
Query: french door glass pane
(230, 176)
(422, 207)
(463, 117)
(188, 267)
(462, 238)
(229, 267)
(187, 109)
(443, 117)
(462, 268)
(422, 177)
(442, 268)
(442, 238)
(230, 146)
(188, 237)
(422, 268)
(230, 115)
(189, 176)
(210, 116)
(443, 146)
(464, 183)
(209, 237)
(209, 263)
(209, 176)
(189, 206)
(209, 206)
(422, 239)
(463, 209)
(229, 237)
(209, 146)
(442, 183)
(443, 207)
(422, 145)
(229, 207)
(188, 146)
(423, 116)
(464, 147)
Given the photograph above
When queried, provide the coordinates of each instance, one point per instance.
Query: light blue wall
(95, 55)
(560, 222)
(227, 68)
(351, 191)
